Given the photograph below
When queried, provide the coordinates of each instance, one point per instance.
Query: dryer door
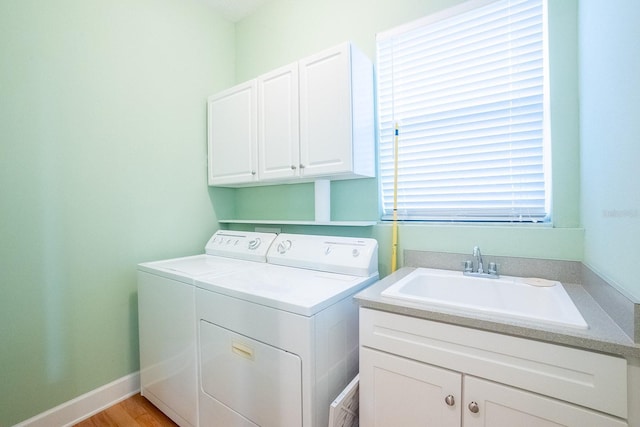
(247, 381)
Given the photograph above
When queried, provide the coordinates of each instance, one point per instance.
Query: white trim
(88, 404)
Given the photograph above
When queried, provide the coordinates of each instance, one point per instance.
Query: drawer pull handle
(450, 400)
(473, 407)
(242, 350)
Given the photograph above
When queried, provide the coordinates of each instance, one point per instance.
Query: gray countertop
(603, 335)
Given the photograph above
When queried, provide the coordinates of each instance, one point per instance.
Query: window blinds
(468, 94)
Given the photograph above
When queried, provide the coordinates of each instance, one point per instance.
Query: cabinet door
(395, 391)
(325, 112)
(502, 406)
(232, 135)
(278, 130)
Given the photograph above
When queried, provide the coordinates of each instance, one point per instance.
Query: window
(468, 90)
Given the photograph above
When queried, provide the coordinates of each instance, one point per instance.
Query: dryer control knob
(284, 246)
(355, 253)
(255, 243)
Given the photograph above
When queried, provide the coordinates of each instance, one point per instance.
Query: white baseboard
(83, 407)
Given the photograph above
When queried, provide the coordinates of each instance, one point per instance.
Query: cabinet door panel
(325, 112)
(232, 138)
(278, 132)
(400, 392)
(503, 406)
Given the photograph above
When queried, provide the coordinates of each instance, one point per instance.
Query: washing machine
(167, 320)
(278, 343)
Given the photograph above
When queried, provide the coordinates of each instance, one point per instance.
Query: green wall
(102, 166)
(102, 163)
(610, 131)
(283, 31)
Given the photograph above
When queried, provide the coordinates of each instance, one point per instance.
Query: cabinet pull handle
(450, 400)
(473, 407)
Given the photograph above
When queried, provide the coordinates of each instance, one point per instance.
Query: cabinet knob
(450, 400)
(473, 407)
(301, 166)
(293, 167)
(253, 172)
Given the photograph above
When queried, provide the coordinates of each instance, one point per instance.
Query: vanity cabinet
(416, 372)
(310, 119)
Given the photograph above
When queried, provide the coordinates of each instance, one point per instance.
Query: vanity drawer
(582, 377)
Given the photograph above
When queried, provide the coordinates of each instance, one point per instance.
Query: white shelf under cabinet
(296, 222)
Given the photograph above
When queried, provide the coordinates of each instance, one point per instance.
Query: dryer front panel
(250, 379)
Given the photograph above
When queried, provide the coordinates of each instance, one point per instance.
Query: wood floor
(135, 411)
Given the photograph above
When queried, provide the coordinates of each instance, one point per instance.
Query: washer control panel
(247, 245)
(346, 255)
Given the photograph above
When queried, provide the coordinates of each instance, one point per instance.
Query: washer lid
(197, 265)
(187, 268)
(296, 290)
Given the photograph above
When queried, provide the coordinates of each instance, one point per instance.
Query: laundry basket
(343, 411)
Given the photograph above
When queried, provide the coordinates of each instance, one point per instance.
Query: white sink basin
(512, 296)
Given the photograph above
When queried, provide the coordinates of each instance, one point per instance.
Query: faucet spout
(489, 273)
(478, 255)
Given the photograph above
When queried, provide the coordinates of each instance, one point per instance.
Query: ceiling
(235, 10)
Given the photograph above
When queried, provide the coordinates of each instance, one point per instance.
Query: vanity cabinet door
(497, 405)
(395, 391)
(232, 135)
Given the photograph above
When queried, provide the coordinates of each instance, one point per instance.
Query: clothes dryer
(278, 343)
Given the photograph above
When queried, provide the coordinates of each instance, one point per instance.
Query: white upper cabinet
(232, 135)
(336, 113)
(313, 119)
(278, 134)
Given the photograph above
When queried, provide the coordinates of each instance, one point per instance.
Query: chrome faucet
(478, 255)
(492, 271)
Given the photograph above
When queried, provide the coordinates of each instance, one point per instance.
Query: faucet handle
(493, 268)
(468, 266)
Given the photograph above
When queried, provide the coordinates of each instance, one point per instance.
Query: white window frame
(406, 201)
